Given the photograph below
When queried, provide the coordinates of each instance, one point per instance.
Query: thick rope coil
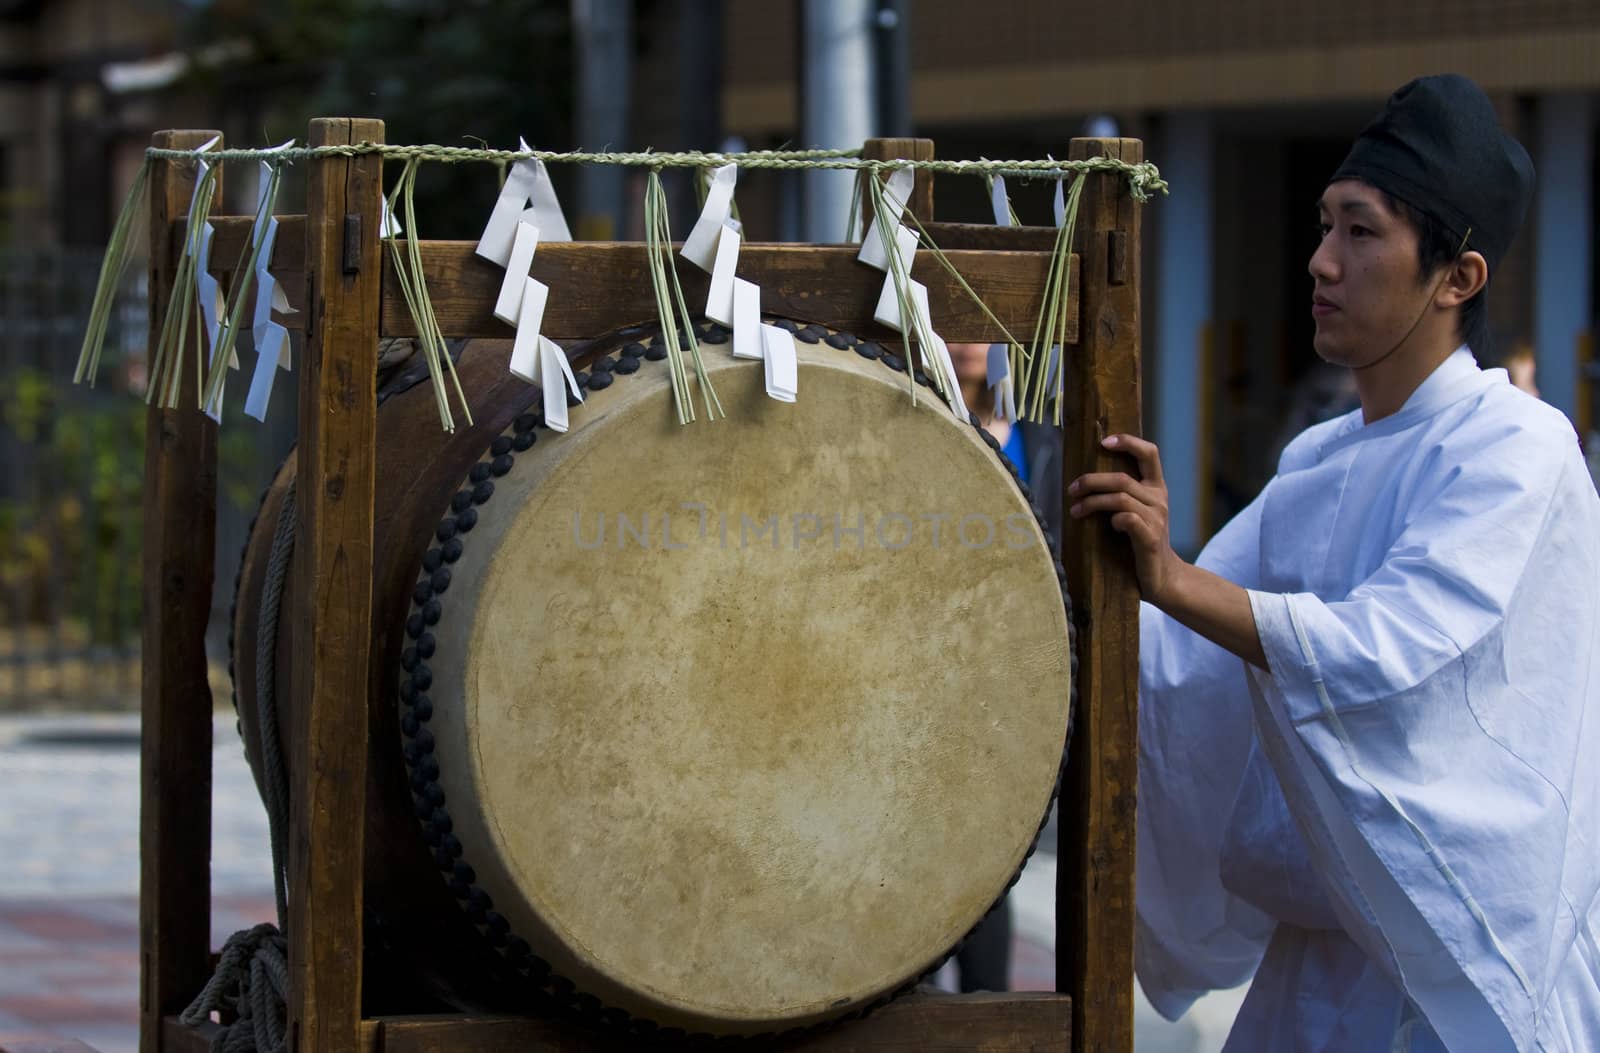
(251, 982)
(252, 976)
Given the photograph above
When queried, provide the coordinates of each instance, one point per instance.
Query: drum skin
(722, 787)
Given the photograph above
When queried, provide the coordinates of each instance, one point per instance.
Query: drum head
(743, 724)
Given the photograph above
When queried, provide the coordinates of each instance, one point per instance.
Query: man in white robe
(1370, 711)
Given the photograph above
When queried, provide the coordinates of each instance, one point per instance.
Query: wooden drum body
(729, 728)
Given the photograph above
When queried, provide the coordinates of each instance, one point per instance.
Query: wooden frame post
(1095, 858)
(179, 565)
(332, 609)
(920, 203)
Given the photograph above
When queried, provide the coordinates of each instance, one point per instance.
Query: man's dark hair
(1437, 247)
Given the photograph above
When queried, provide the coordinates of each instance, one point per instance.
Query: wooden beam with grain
(989, 238)
(918, 1023)
(1095, 870)
(332, 593)
(596, 287)
(180, 517)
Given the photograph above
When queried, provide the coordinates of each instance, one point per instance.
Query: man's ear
(1463, 279)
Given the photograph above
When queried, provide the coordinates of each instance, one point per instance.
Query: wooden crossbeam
(599, 286)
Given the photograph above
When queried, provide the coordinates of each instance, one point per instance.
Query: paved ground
(69, 889)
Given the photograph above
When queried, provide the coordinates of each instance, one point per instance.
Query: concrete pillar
(1183, 304)
(1563, 231)
(838, 73)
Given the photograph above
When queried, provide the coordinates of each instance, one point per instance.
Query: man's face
(1367, 294)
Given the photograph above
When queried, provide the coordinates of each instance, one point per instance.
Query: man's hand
(1138, 508)
(1213, 607)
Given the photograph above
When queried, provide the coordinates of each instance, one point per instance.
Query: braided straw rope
(1143, 178)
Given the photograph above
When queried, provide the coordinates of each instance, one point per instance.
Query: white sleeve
(1192, 935)
(1427, 730)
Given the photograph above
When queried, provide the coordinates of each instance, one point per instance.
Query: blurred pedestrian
(1520, 366)
(1034, 448)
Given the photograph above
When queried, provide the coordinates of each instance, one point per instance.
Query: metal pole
(1563, 249)
(894, 68)
(699, 69)
(603, 32)
(837, 103)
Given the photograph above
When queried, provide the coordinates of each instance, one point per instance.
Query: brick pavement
(69, 968)
(69, 908)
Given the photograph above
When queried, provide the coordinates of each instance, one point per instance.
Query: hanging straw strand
(167, 371)
(111, 271)
(441, 350)
(658, 255)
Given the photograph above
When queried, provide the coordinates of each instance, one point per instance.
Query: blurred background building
(1246, 106)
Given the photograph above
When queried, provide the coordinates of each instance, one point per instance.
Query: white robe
(1397, 829)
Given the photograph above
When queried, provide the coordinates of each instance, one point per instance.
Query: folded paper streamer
(234, 307)
(705, 239)
(713, 243)
(719, 302)
(896, 192)
(896, 297)
(713, 246)
(1000, 203)
(525, 348)
(271, 339)
(527, 181)
(508, 306)
(935, 352)
(389, 226)
(888, 310)
(266, 334)
(781, 368)
(555, 373)
(527, 212)
(747, 338)
(888, 303)
(999, 382)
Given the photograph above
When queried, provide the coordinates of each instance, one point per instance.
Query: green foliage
(79, 530)
(74, 527)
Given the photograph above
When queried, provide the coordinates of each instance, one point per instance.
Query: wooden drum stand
(335, 270)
